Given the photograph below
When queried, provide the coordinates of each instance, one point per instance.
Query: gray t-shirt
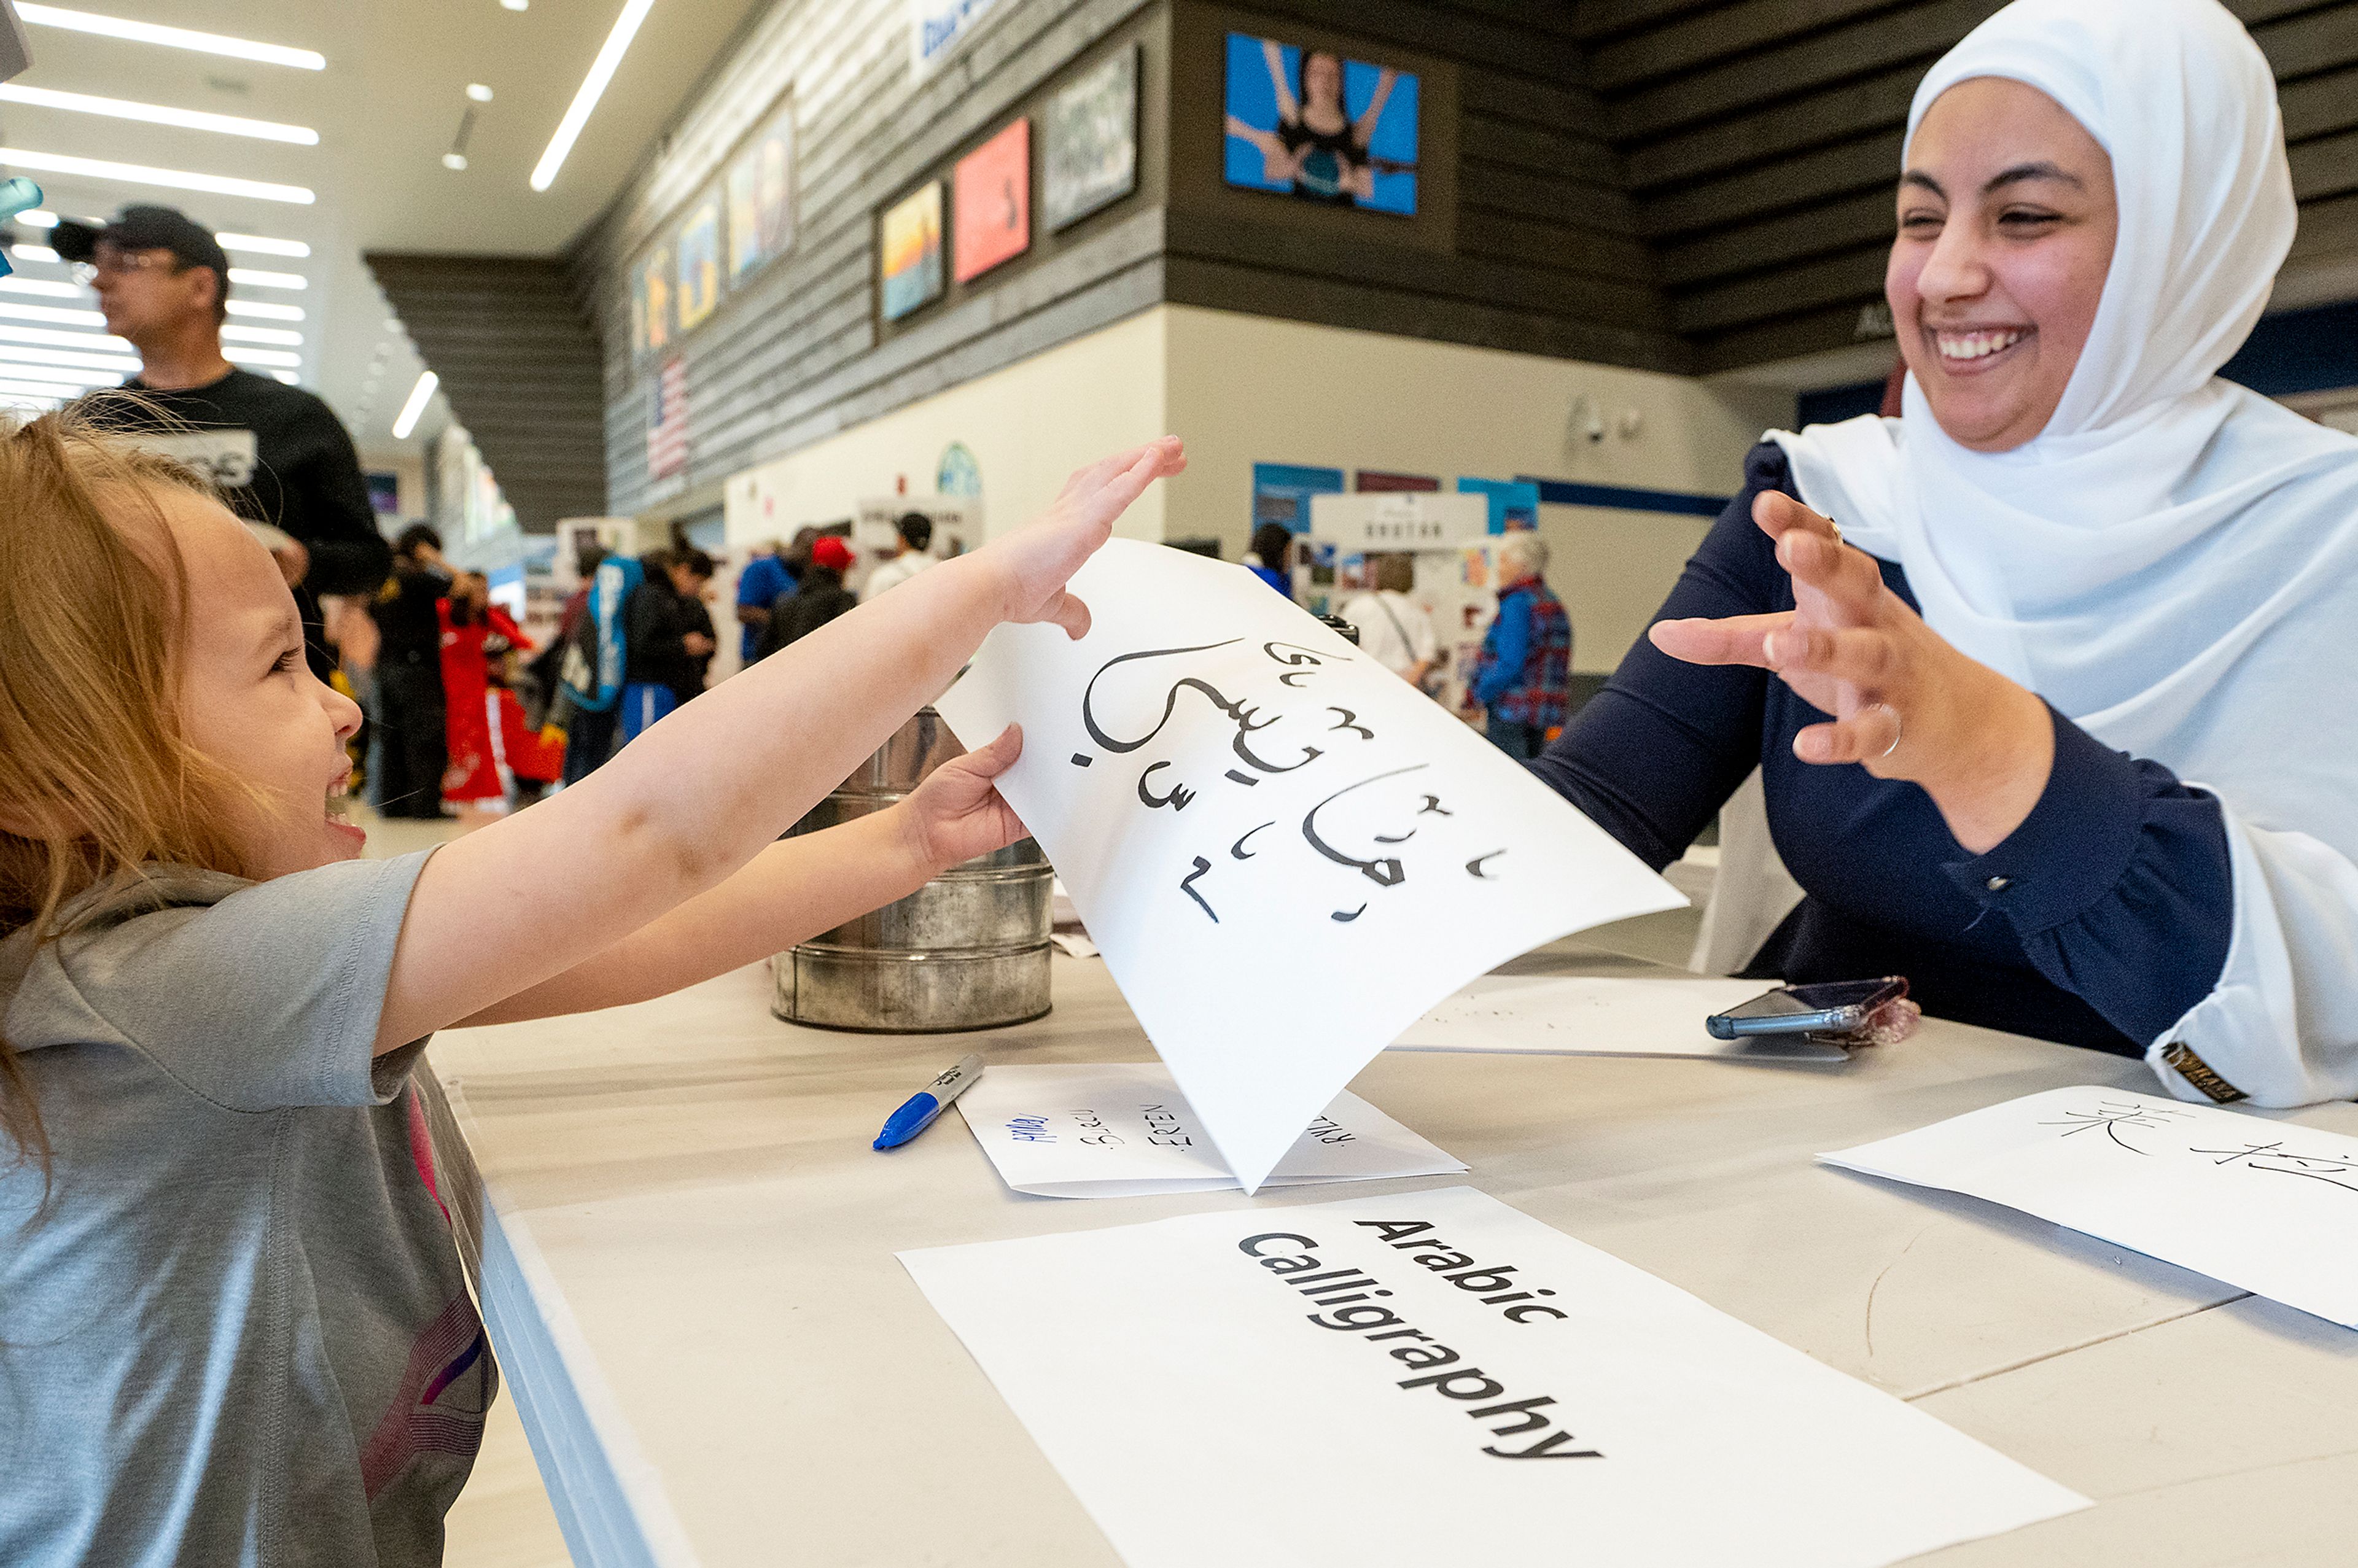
(239, 1332)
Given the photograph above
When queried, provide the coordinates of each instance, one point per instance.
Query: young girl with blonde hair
(233, 1323)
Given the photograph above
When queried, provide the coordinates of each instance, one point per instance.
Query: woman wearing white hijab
(2106, 782)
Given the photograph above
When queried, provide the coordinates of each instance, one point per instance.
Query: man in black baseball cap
(279, 454)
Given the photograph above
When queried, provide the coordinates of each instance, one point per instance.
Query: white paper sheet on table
(1599, 1015)
(2267, 1206)
(1284, 852)
(1121, 1130)
(1202, 1412)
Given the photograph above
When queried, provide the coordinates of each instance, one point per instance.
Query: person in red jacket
(486, 724)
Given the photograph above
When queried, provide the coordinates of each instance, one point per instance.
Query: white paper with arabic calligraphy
(1285, 852)
(2267, 1206)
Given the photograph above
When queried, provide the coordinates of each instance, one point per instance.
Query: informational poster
(991, 201)
(936, 28)
(2267, 1206)
(1433, 1377)
(1123, 1130)
(1281, 492)
(1237, 799)
(1090, 141)
(1514, 503)
(1581, 1015)
(761, 187)
(911, 251)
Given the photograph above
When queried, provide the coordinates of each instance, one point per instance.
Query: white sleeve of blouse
(2281, 1026)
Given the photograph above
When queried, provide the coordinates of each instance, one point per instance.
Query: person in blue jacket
(2049, 680)
(1522, 683)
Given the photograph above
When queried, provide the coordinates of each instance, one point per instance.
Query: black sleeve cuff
(2074, 846)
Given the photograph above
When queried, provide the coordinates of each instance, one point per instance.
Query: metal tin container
(968, 950)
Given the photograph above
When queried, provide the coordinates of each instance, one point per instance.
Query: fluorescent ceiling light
(37, 217)
(260, 311)
(261, 335)
(51, 313)
(50, 335)
(258, 244)
(143, 174)
(14, 353)
(419, 396)
(158, 114)
(288, 376)
(33, 252)
(253, 279)
(593, 86)
(261, 357)
(170, 38)
(41, 286)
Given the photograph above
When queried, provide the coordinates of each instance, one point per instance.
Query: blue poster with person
(1310, 123)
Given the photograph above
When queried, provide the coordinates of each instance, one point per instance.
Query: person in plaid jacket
(1525, 673)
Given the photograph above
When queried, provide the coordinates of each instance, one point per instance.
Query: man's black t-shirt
(279, 454)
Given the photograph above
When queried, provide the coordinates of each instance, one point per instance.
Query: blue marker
(928, 1103)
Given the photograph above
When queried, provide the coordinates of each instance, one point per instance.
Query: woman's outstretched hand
(956, 813)
(1904, 704)
(1034, 563)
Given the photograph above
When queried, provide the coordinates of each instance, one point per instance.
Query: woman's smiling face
(2006, 225)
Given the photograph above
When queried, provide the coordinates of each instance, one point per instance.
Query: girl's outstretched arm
(700, 794)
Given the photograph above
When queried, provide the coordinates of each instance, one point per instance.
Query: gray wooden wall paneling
(519, 363)
(801, 352)
(1760, 138)
(1535, 247)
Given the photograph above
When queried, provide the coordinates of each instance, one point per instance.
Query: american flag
(667, 420)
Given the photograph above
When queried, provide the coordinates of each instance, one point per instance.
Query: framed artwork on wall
(652, 292)
(991, 199)
(1313, 125)
(1089, 136)
(699, 259)
(909, 251)
(761, 195)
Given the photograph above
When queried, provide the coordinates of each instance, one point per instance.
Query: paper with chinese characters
(2267, 1206)
(1122, 1129)
(1589, 1015)
(1284, 852)
(1434, 1378)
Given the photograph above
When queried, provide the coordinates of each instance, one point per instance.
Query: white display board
(1119, 1130)
(1434, 1378)
(2267, 1206)
(1284, 852)
(1373, 522)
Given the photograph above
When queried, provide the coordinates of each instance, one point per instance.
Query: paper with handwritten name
(1284, 852)
(1432, 1377)
(1122, 1129)
(2267, 1206)
(1602, 1015)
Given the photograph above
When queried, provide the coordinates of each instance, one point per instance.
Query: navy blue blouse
(2100, 922)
